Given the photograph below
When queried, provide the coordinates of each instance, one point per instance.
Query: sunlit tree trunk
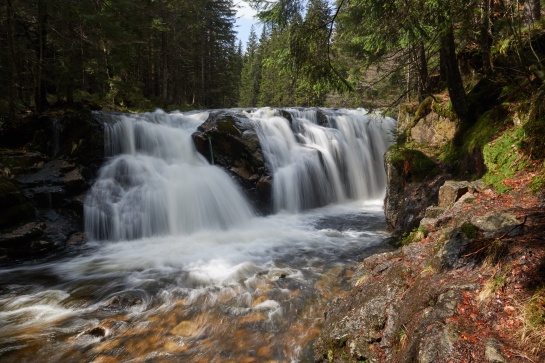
(532, 11)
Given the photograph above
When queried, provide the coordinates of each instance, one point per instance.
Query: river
(179, 267)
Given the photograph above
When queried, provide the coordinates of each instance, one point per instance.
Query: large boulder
(433, 129)
(228, 139)
(412, 186)
(44, 176)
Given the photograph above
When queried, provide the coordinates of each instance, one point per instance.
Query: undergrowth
(532, 315)
(504, 158)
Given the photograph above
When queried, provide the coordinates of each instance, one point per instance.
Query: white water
(315, 165)
(176, 244)
(157, 183)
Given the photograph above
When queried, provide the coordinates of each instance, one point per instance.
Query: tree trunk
(532, 12)
(451, 72)
(40, 100)
(486, 38)
(11, 58)
(423, 76)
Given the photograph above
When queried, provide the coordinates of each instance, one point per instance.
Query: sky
(245, 19)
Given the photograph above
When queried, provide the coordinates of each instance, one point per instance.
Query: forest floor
(456, 295)
(509, 306)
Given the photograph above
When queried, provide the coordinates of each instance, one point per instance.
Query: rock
(436, 344)
(450, 256)
(496, 224)
(229, 140)
(406, 202)
(433, 212)
(452, 190)
(186, 329)
(42, 188)
(492, 352)
(433, 129)
(29, 239)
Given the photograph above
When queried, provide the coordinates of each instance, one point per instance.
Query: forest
(136, 55)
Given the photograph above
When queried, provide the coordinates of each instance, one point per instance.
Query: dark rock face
(229, 140)
(44, 176)
(406, 202)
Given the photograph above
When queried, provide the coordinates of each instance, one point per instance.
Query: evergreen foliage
(121, 54)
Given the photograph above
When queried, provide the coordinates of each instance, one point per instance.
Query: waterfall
(156, 183)
(319, 157)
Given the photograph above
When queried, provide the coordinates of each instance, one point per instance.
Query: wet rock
(15, 208)
(46, 183)
(30, 240)
(496, 224)
(229, 140)
(97, 332)
(186, 329)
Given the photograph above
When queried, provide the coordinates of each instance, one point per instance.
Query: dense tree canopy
(176, 52)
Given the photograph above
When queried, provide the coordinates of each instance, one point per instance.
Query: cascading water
(314, 165)
(157, 183)
(178, 267)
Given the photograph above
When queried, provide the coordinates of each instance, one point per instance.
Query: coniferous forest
(184, 54)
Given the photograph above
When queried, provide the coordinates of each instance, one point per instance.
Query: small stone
(492, 352)
(186, 329)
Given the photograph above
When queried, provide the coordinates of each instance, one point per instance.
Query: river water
(178, 267)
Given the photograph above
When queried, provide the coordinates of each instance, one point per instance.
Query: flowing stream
(178, 267)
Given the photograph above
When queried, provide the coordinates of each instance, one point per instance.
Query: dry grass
(532, 316)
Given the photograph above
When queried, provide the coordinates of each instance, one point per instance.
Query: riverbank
(468, 288)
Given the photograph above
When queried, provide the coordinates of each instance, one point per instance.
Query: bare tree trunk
(532, 12)
(40, 100)
(486, 38)
(453, 78)
(423, 76)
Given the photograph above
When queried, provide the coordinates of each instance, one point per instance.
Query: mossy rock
(414, 165)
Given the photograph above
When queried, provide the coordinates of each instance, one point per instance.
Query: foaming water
(156, 182)
(317, 162)
(180, 271)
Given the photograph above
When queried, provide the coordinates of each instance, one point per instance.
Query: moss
(227, 126)
(538, 182)
(444, 110)
(503, 158)
(488, 125)
(414, 165)
(416, 235)
(469, 230)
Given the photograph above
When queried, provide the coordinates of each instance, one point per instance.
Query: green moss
(503, 158)
(416, 235)
(414, 165)
(469, 230)
(538, 183)
(488, 125)
(444, 110)
(227, 126)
